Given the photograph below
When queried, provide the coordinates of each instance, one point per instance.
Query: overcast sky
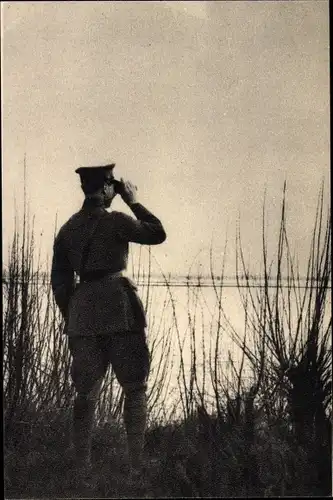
(204, 105)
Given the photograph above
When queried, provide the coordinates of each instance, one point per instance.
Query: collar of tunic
(93, 205)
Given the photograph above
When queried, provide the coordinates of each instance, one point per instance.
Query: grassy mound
(201, 457)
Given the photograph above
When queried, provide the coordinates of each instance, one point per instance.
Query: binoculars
(118, 186)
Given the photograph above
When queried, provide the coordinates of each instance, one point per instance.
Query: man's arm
(147, 229)
(62, 277)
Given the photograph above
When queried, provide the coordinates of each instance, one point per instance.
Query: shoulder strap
(86, 248)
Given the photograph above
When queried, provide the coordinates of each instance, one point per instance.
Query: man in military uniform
(105, 319)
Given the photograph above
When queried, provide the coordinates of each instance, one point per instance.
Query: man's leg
(83, 420)
(135, 419)
(87, 373)
(130, 360)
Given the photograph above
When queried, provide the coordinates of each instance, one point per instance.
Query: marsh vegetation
(259, 424)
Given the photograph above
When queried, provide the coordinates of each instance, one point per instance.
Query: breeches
(91, 356)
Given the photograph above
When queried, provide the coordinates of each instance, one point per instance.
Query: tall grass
(259, 424)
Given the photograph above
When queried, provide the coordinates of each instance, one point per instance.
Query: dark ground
(181, 460)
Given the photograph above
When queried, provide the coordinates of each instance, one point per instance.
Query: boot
(83, 419)
(135, 416)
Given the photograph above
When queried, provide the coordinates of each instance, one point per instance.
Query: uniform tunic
(110, 304)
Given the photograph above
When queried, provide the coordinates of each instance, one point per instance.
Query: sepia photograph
(166, 235)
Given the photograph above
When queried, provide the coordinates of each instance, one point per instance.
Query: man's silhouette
(105, 319)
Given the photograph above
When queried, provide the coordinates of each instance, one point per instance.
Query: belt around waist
(98, 274)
